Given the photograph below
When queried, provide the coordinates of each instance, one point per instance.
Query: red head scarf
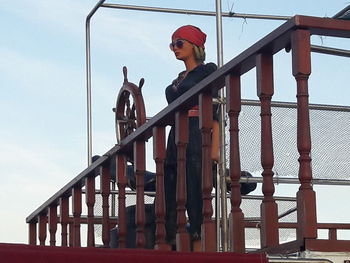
(192, 34)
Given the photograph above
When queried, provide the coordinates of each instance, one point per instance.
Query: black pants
(194, 202)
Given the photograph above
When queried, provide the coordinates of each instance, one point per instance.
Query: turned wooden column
(71, 233)
(268, 209)
(90, 202)
(306, 197)
(42, 228)
(121, 182)
(159, 154)
(236, 218)
(64, 219)
(139, 169)
(206, 124)
(32, 233)
(77, 209)
(181, 141)
(53, 224)
(105, 192)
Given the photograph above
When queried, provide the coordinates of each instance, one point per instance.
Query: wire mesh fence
(330, 135)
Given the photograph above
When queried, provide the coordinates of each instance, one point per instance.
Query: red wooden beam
(71, 234)
(32, 233)
(53, 224)
(64, 219)
(77, 209)
(159, 157)
(181, 140)
(236, 220)
(206, 124)
(105, 192)
(306, 197)
(90, 202)
(139, 169)
(121, 175)
(42, 229)
(269, 212)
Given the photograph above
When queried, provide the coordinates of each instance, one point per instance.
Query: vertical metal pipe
(88, 81)
(88, 92)
(221, 184)
(219, 34)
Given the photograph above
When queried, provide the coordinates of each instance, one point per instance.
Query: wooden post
(53, 224)
(159, 157)
(306, 197)
(206, 124)
(42, 228)
(64, 219)
(233, 108)
(71, 234)
(332, 234)
(32, 233)
(105, 192)
(121, 175)
(77, 209)
(269, 235)
(181, 140)
(90, 202)
(139, 169)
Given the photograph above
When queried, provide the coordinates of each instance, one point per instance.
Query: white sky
(43, 87)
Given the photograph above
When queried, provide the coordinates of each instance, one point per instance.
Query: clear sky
(43, 86)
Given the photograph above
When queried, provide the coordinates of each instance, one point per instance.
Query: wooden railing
(293, 35)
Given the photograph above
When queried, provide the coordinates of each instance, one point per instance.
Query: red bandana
(192, 34)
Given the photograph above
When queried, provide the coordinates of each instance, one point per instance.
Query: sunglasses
(178, 43)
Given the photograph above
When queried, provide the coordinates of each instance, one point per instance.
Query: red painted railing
(295, 35)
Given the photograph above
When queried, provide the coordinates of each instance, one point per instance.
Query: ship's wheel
(130, 110)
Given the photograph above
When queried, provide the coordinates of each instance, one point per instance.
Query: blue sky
(42, 73)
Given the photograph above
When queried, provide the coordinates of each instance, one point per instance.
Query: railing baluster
(71, 233)
(42, 228)
(121, 176)
(53, 224)
(233, 108)
(64, 219)
(139, 169)
(32, 233)
(90, 202)
(105, 192)
(269, 213)
(77, 207)
(181, 140)
(205, 124)
(306, 197)
(159, 157)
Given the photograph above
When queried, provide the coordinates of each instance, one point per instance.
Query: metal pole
(331, 51)
(220, 196)
(194, 12)
(286, 180)
(88, 81)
